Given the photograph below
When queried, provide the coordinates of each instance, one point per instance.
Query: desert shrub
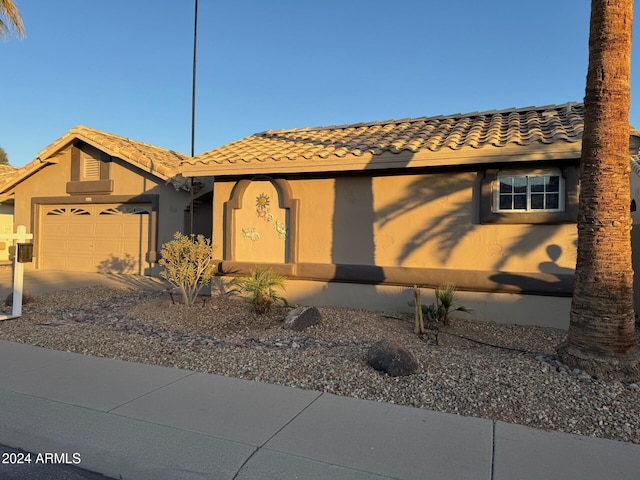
(188, 263)
(446, 297)
(438, 312)
(261, 287)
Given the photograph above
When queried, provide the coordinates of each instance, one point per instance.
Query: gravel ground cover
(482, 369)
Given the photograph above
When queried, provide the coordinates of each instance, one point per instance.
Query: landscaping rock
(392, 357)
(301, 318)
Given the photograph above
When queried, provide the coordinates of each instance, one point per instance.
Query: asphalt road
(11, 470)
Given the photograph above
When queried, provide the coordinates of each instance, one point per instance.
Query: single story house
(356, 215)
(353, 215)
(100, 202)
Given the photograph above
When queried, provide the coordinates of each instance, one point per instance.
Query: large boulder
(392, 357)
(301, 318)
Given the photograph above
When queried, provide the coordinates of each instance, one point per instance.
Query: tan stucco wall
(413, 229)
(51, 181)
(423, 220)
(221, 193)
(431, 221)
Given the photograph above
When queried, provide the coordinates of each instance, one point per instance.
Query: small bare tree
(188, 263)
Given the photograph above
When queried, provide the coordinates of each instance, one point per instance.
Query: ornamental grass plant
(262, 286)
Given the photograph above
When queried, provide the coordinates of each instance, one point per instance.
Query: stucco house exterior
(100, 202)
(353, 215)
(356, 215)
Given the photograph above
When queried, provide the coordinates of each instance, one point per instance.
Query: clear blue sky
(124, 66)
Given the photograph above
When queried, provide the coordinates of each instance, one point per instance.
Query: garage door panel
(84, 238)
(130, 233)
(76, 244)
(79, 229)
(110, 230)
(54, 228)
(106, 246)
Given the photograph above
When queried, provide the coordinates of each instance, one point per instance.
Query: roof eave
(561, 150)
(7, 184)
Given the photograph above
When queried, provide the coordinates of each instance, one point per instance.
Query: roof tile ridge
(127, 140)
(532, 108)
(569, 106)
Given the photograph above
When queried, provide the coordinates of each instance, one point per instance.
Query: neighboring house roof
(6, 174)
(6, 171)
(513, 134)
(158, 161)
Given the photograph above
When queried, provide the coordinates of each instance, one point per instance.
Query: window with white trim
(529, 191)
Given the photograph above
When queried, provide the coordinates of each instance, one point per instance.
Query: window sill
(529, 217)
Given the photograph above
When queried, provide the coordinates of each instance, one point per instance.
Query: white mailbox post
(21, 236)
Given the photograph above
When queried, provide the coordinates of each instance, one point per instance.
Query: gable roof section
(532, 133)
(158, 161)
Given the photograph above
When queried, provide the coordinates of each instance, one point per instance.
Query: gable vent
(91, 168)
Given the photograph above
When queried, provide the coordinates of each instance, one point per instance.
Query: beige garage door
(109, 238)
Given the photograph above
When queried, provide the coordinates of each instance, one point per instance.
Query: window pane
(537, 201)
(553, 201)
(505, 185)
(505, 202)
(524, 193)
(537, 183)
(553, 184)
(520, 184)
(519, 202)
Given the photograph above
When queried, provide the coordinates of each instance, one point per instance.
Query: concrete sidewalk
(134, 421)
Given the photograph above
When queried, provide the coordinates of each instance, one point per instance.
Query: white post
(18, 274)
(18, 271)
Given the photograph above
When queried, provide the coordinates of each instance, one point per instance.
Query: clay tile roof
(521, 126)
(159, 161)
(7, 176)
(7, 170)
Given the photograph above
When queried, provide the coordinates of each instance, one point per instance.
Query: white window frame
(529, 174)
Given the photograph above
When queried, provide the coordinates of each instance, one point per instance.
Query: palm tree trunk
(601, 338)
